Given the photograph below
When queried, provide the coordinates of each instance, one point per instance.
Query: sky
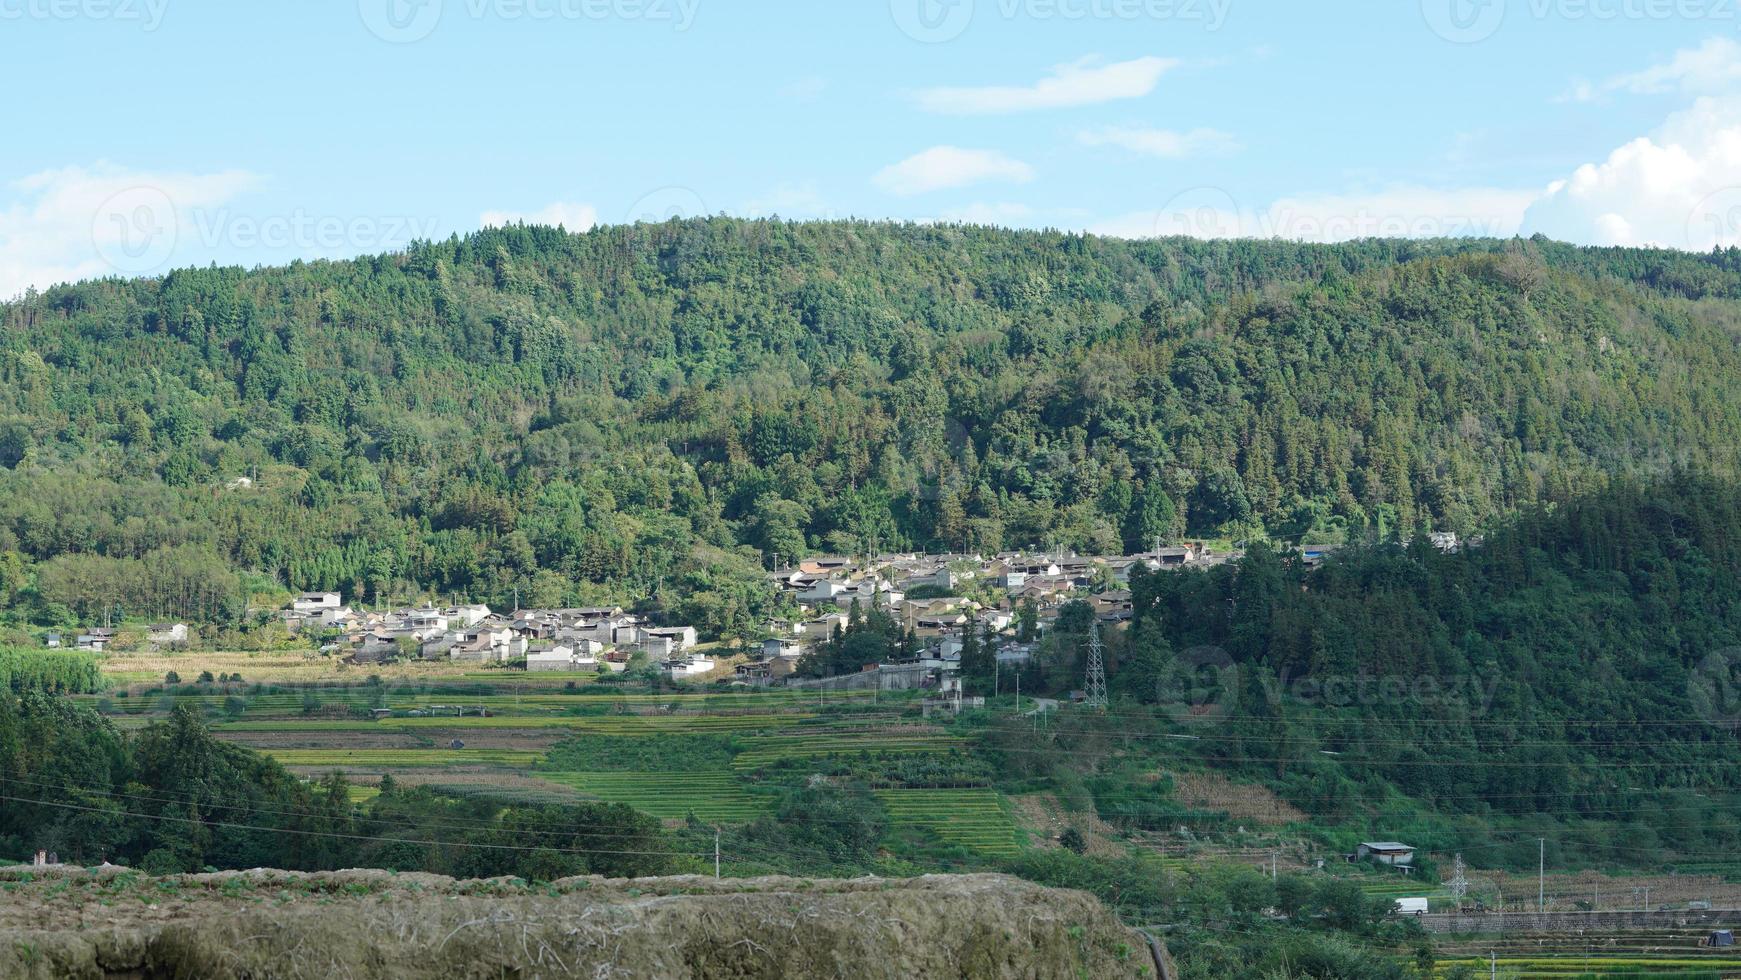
(148, 134)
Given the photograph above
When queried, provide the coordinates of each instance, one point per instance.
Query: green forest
(652, 414)
(1574, 677)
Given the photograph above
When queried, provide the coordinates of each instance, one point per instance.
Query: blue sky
(150, 133)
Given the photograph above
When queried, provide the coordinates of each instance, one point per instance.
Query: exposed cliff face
(366, 924)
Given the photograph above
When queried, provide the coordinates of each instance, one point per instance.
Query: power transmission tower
(1459, 884)
(1096, 685)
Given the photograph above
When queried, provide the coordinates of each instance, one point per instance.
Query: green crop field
(763, 750)
(371, 759)
(1598, 965)
(610, 724)
(972, 818)
(711, 796)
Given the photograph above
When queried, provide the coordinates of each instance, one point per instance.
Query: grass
(971, 818)
(712, 796)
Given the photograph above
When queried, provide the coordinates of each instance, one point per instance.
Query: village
(932, 598)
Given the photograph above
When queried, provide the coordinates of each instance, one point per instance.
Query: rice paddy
(371, 760)
(766, 750)
(710, 796)
(1598, 965)
(975, 819)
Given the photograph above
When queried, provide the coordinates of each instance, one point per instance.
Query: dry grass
(264, 668)
(1242, 802)
(1044, 818)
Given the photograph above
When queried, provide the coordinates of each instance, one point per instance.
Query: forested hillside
(652, 413)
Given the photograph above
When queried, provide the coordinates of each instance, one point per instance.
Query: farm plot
(612, 724)
(711, 796)
(971, 818)
(765, 750)
(375, 759)
(1599, 965)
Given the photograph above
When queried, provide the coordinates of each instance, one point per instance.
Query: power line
(335, 835)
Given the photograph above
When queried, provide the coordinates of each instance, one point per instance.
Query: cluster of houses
(548, 640)
(158, 636)
(927, 595)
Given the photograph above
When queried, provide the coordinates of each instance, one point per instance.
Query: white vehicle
(1411, 906)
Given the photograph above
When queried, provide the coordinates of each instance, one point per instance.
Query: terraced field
(377, 759)
(1599, 965)
(712, 796)
(972, 818)
(1631, 953)
(765, 750)
(611, 724)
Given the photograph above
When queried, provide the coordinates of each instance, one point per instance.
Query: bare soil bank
(363, 924)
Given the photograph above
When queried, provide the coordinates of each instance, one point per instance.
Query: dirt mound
(271, 924)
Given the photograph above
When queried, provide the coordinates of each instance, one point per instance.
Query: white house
(560, 658)
(467, 615)
(167, 634)
(689, 669)
(822, 590)
(314, 603)
(682, 637)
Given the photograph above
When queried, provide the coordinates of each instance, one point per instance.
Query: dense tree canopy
(649, 413)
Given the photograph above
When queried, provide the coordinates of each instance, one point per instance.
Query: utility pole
(1541, 874)
(1096, 686)
(716, 854)
(1492, 965)
(1459, 881)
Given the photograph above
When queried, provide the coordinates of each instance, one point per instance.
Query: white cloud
(571, 217)
(1678, 187)
(945, 167)
(1714, 66)
(88, 222)
(1166, 144)
(1076, 84)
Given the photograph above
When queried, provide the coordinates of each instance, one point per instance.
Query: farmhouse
(314, 603)
(1386, 852)
(95, 640)
(163, 635)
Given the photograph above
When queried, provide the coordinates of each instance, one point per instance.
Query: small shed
(1390, 853)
